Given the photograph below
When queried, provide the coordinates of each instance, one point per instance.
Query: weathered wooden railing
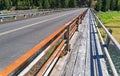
(104, 43)
(34, 62)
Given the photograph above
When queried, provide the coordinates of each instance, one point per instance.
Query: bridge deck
(86, 57)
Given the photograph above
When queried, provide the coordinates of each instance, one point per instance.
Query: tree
(40, 2)
(46, 4)
(2, 4)
(72, 3)
(105, 5)
(32, 4)
(65, 3)
(90, 2)
(112, 4)
(19, 4)
(14, 2)
(26, 4)
(58, 3)
(98, 5)
(8, 4)
(52, 3)
(118, 5)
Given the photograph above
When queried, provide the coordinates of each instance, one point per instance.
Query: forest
(106, 5)
(40, 4)
(99, 5)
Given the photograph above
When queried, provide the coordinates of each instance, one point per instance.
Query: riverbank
(111, 20)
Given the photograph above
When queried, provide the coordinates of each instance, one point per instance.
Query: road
(16, 38)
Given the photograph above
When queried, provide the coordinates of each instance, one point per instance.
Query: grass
(6, 12)
(111, 20)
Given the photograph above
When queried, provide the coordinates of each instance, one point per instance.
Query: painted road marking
(14, 30)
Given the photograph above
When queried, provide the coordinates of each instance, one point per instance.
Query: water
(115, 55)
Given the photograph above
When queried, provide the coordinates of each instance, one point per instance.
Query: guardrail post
(1, 20)
(25, 16)
(67, 39)
(15, 18)
(43, 12)
(108, 38)
(32, 15)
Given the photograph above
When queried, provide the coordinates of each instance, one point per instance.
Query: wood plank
(87, 61)
(80, 61)
(99, 62)
(81, 55)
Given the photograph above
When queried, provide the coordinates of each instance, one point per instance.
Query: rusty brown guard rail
(59, 39)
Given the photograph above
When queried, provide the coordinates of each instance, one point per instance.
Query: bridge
(63, 44)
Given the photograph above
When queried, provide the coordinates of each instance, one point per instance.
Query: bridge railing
(27, 14)
(105, 42)
(41, 59)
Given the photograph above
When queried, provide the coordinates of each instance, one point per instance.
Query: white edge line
(10, 31)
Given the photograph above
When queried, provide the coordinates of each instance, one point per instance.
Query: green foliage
(107, 5)
(90, 2)
(65, 3)
(1, 5)
(112, 4)
(98, 5)
(111, 20)
(8, 4)
(118, 5)
(40, 2)
(23, 4)
(14, 2)
(109, 17)
(72, 3)
(53, 3)
(31, 4)
(46, 4)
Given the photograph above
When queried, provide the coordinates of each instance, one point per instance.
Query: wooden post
(108, 38)
(67, 38)
(77, 23)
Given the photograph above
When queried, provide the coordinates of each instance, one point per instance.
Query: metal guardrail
(104, 44)
(58, 40)
(114, 41)
(31, 13)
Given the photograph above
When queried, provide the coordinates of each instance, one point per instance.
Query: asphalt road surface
(16, 38)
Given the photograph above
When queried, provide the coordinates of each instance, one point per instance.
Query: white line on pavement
(14, 30)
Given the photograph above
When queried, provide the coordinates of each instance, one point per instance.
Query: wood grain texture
(86, 53)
